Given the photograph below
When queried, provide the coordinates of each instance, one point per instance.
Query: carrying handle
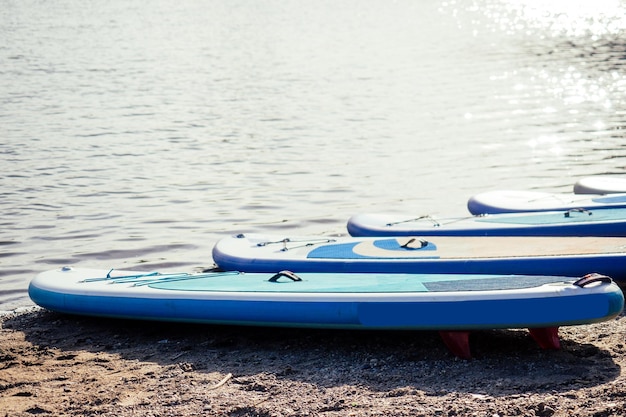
(577, 210)
(591, 278)
(292, 276)
(414, 243)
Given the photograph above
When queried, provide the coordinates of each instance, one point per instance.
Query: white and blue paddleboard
(570, 256)
(453, 304)
(601, 184)
(576, 222)
(507, 201)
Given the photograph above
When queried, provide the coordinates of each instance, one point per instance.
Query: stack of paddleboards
(533, 269)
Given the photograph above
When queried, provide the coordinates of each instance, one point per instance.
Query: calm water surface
(135, 135)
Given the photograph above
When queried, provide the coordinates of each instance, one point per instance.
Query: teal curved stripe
(346, 251)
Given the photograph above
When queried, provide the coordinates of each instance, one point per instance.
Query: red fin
(546, 337)
(457, 342)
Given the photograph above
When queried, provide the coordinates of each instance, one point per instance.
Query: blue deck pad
(597, 215)
(317, 283)
(355, 283)
(346, 250)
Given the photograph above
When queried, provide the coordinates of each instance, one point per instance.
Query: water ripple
(139, 128)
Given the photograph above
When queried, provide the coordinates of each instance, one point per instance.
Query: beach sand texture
(60, 365)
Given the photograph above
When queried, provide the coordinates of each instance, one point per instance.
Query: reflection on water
(136, 136)
(578, 51)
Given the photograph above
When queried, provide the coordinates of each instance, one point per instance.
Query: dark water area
(135, 135)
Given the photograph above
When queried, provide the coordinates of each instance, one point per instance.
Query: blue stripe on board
(621, 198)
(535, 312)
(596, 215)
(522, 313)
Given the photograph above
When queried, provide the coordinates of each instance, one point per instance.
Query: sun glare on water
(571, 18)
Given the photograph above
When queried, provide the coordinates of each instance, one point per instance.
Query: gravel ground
(60, 365)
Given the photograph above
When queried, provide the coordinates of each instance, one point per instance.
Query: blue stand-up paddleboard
(507, 201)
(570, 256)
(601, 184)
(573, 222)
(451, 304)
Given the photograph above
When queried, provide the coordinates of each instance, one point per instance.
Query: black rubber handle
(292, 276)
(591, 278)
(577, 210)
(414, 243)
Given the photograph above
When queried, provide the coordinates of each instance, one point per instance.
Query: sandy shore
(53, 364)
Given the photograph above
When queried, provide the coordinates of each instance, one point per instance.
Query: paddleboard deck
(451, 304)
(597, 222)
(601, 184)
(570, 256)
(507, 201)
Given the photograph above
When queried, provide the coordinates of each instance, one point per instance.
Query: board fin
(546, 337)
(457, 342)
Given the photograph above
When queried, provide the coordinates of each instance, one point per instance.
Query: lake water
(135, 134)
